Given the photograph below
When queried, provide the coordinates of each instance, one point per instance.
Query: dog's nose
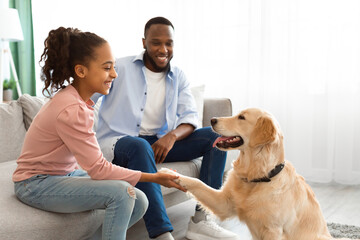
(213, 121)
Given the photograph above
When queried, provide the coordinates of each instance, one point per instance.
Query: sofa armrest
(216, 107)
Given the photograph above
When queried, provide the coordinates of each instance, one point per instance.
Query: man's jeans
(136, 153)
(124, 205)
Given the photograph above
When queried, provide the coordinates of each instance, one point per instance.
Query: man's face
(158, 44)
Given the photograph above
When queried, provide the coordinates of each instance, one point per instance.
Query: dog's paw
(184, 181)
(169, 171)
(172, 172)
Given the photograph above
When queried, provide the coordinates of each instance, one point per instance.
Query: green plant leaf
(9, 84)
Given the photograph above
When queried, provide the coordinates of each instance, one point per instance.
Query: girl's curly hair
(65, 48)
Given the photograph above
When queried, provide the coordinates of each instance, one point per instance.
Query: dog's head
(250, 128)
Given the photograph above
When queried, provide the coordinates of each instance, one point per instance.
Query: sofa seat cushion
(19, 221)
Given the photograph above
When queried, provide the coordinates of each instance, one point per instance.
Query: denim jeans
(76, 192)
(136, 153)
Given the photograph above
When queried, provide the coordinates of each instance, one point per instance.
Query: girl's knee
(117, 189)
(141, 200)
(121, 188)
(131, 191)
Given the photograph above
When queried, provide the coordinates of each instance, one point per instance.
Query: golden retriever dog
(262, 189)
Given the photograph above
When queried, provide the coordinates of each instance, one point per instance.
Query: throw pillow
(12, 130)
(31, 106)
(96, 113)
(198, 94)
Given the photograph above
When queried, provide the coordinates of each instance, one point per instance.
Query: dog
(262, 189)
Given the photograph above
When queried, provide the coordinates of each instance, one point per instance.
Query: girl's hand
(165, 179)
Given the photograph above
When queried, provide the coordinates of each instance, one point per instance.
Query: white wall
(298, 59)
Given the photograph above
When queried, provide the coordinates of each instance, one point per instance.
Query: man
(149, 117)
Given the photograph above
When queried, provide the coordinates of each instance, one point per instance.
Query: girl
(60, 138)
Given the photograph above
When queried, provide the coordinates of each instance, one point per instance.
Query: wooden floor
(340, 204)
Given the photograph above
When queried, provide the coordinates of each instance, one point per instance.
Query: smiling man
(150, 117)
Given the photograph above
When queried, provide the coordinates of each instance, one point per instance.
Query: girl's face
(99, 74)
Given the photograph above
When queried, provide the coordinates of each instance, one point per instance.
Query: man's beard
(153, 63)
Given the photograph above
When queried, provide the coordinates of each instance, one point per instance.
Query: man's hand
(163, 146)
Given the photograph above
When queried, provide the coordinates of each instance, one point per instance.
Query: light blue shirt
(121, 111)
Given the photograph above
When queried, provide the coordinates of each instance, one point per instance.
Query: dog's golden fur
(284, 208)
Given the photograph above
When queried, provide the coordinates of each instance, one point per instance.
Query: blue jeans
(136, 153)
(76, 192)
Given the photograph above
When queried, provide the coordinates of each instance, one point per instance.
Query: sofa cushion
(19, 221)
(12, 130)
(31, 106)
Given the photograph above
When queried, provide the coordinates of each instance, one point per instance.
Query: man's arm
(162, 146)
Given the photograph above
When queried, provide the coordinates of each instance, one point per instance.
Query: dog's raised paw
(184, 181)
(169, 171)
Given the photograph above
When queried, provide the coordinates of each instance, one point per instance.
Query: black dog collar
(271, 174)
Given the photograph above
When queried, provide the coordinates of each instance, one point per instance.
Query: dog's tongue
(219, 139)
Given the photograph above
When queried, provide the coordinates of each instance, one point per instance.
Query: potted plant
(8, 86)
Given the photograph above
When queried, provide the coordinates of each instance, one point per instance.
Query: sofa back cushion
(12, 130)
(198, 94)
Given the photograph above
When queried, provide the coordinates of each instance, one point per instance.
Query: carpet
(344, 231)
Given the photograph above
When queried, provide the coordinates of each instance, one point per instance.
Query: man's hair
(157, 20)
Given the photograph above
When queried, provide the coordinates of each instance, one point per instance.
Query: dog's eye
(241, 117)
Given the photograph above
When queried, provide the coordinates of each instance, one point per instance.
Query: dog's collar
(271, 174)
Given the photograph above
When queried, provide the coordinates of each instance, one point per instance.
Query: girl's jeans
(136, 153)
(124, 205)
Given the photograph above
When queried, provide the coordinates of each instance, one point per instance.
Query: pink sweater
(61, 137)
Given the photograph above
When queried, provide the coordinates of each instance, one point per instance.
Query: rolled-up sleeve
(74, 126)
(186, 108)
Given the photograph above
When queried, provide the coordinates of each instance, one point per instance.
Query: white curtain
(298, 59)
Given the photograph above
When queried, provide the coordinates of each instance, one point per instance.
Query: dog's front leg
(210, 199)
(272, 234)
(215, 201)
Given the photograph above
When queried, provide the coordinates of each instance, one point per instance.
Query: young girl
(60, 138)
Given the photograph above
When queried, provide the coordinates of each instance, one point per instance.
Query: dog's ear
(264, 132)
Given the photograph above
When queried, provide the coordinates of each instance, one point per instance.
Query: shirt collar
(140, 58)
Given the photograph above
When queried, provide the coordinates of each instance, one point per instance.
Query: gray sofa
(21, 222)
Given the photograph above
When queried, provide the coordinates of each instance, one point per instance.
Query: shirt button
(145, 93)
(138, 125)
(142, 109)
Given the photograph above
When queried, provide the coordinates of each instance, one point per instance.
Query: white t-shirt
(154, 112)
